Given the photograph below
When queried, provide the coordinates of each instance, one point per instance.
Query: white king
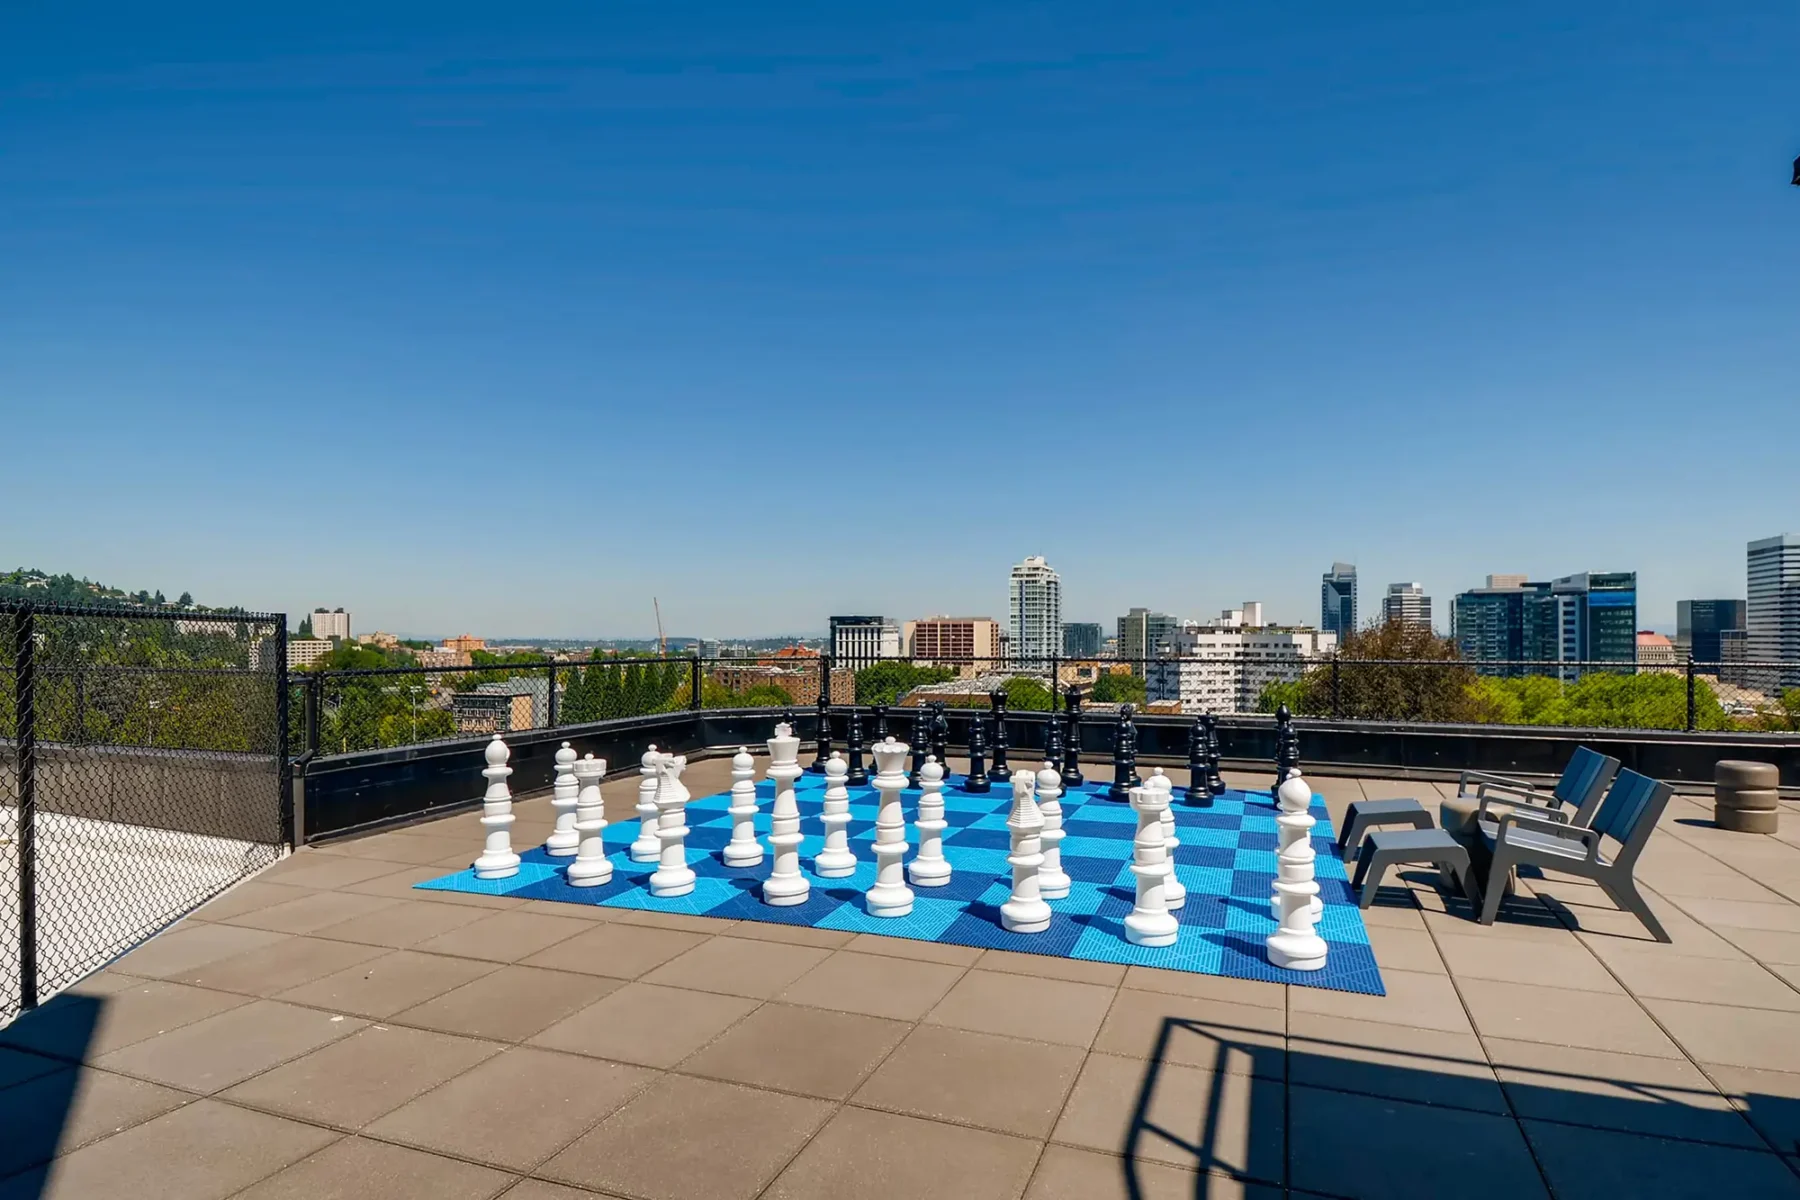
(889, 896)
(785, 885)
(497, 859)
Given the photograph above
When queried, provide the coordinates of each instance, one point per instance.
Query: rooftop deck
(325, 1030)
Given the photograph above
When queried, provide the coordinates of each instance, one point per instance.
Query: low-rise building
(465, 643)
(1223, 666)
(303, 651)
(1655, 650)
(973, 644)
(522, 702)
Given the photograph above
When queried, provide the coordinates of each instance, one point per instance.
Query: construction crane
(662, 642)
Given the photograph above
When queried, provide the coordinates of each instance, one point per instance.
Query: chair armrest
(1522, 807)
(1589, 838)
(1478, 777)
(1523, 791)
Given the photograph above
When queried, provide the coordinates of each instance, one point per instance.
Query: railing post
(1690, 693)
(1337, 690)
(315, 686)
(1055, 684)
(695, 683)
(553, 704)
(284, 777)
(25, 731)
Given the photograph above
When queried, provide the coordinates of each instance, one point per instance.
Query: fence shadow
(41, 1089)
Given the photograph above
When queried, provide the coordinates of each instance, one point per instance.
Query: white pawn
(929, 868)
(743, 850)
(1025, 910)
(1053, 881)
(646, 848)
(672, 877)
(1150, 923)
(1296, 946)
(1174, 891)
(563, 841)
(785, 884)
(889, 896)
(497, 859)
(591, 867)
(1293, 796)
(835, 860)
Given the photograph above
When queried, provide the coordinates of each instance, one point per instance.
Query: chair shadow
(40, 1084)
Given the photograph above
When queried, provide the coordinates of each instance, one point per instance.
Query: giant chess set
(1200, 878)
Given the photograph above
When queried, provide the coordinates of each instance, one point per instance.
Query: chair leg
(1465, 875)
(1373, 867)
(1494, 890)
(1351, 838)
(1624, 893)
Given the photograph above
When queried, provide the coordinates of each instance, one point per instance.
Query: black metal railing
(141, 772)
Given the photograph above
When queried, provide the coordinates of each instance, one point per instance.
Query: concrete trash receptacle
(1745, 799)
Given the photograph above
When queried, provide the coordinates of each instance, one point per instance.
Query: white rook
(743, 850)
(785, 884)
(929, 868)
(835, 860)
(1174, 891)
(1053, 881)
(563, 841)
(591, 867)
(1295, 946)
(1150, 923)
(889, 896)
(673, 876)
(646, 848)
(1025, 910)
(497, 859)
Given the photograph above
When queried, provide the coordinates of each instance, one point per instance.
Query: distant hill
(45, 588)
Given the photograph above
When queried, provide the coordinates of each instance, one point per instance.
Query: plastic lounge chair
(1628, 816)
(1584, 782)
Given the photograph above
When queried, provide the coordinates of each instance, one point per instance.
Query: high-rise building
(1590, 617)
(1337, 600)
(953, 640)
(1772, 614)
(330, 623)
(1488, 623)
(858, 642)
(1034, 611)
(1082, 639)
(1698, 624)
(1408, 604)
(1145, 634)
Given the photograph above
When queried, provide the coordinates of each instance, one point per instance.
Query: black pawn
(1287, 747)
(921, 741)
(940, 738)
(1125, 776)
(1071, 763)
(977, 779)
(824, 735)
(1197, 792)
(1215, 782)
(791, 719)
(881, 729)
(1000, 772)
(853, 744)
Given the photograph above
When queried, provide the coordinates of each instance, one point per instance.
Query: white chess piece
(785, 885)
(673, 876)
(497, 859)
(1053, 881)
(1174, 891)
(1150, 923)
(889, 896)
(1025, 910)
(743, 850)
(1293, 796)
(646, 848)
(563, 841)
(591, 867)
(835, 861)
(1296, 946)
(929, 868)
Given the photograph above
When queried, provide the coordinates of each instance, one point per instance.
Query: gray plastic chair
(1628, 816)
(1582, 786)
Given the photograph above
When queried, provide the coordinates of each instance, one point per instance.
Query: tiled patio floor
(325, 1030)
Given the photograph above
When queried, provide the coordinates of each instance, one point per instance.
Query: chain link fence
(140, 774)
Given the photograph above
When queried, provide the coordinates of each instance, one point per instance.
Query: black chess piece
(1071, 763)
(1215, 782)
(1125, 776)
(999, 772)
(1197, 792)
(1287, 747)
(853, 745)
(977, 778)
(881, 729)
(791, 719)
(940, 738)
(824, 736)
(1053, 743)
(921, 741)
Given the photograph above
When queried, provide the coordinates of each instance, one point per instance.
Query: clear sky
(510, 317)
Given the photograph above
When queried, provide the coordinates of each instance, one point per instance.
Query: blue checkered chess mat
(1226, 860)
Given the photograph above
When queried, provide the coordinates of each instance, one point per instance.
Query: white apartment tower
(334, 624)
(858, 642)
(1772, 616)
(1408, 604)
(1034, 611)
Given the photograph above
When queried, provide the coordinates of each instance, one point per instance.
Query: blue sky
(508, 321)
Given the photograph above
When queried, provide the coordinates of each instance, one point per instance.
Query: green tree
(187, 600)
(1118, 688)
(886, 682)
(305, 630)
(1389, 672)
(1027, 695)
